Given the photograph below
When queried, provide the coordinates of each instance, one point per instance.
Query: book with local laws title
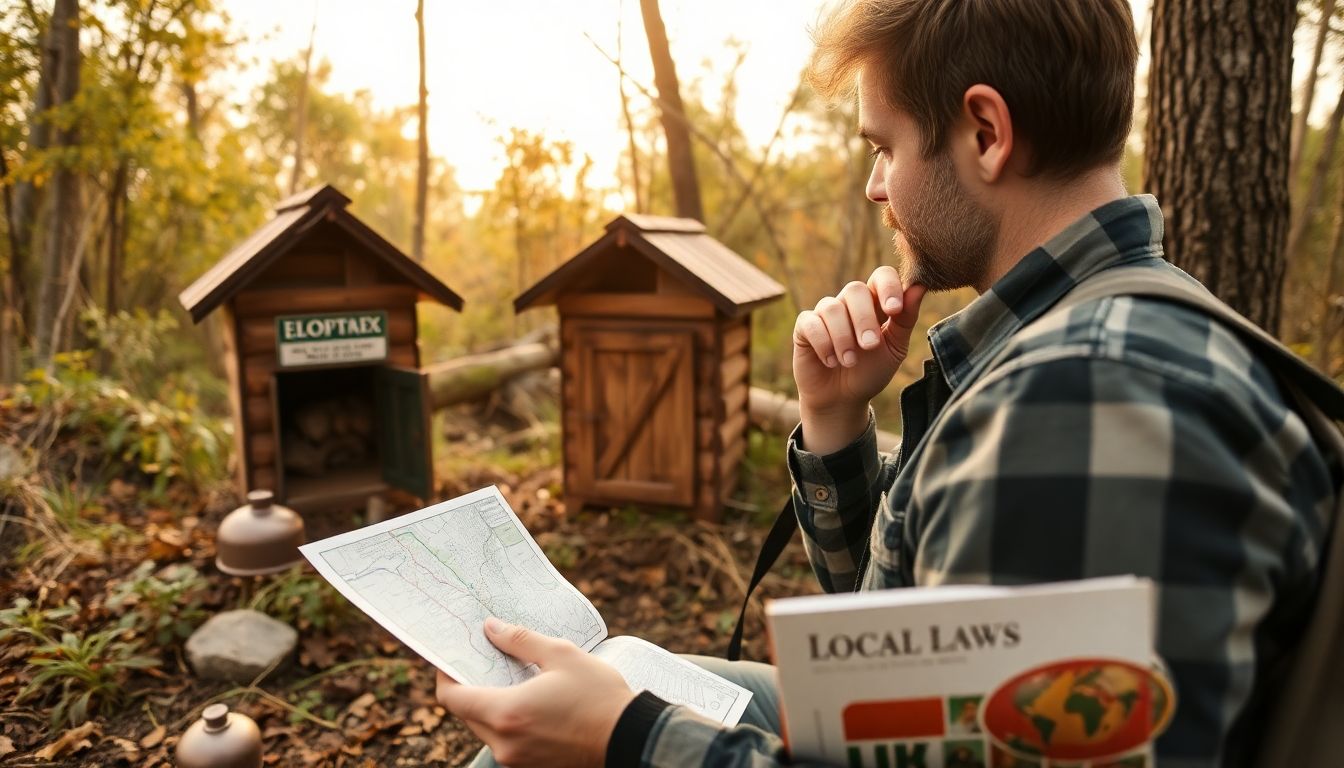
(973, 676)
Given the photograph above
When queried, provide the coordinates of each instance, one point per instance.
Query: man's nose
(877, 185)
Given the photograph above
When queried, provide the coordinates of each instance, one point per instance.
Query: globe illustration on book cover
(1079, 709)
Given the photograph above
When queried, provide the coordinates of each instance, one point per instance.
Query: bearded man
(1124, 436)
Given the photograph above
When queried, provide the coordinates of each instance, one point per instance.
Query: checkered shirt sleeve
(836, 498)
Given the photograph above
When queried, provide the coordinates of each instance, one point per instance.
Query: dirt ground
(354, 696)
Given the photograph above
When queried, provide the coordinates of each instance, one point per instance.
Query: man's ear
(989, 129)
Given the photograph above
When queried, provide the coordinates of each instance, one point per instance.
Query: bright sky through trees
(527, 63)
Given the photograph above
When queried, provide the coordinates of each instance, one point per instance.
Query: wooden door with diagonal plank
(636, 430)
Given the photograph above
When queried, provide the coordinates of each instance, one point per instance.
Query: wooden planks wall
(709, 417)
(735, 388)
(229, 342)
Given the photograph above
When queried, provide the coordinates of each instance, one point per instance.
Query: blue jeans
(762, 711)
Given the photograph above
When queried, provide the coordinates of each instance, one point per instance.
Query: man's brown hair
(1064, 67)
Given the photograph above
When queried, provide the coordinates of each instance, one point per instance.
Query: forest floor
(103, 579)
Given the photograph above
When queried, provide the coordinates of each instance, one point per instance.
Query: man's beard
(944, 239)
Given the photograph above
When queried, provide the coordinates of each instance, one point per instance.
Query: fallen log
(475, 377)
(773, 412)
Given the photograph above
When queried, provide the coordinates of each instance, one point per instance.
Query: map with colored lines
(439, 573)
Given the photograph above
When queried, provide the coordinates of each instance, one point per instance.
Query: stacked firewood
(325, 435)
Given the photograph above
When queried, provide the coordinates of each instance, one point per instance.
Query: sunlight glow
(527, 63)
(530, 64)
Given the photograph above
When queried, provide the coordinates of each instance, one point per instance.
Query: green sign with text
(330, 339)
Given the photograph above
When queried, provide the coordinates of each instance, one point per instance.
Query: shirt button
(822, 494)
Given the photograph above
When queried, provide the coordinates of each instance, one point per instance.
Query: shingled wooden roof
(680, 246)
(295, 217)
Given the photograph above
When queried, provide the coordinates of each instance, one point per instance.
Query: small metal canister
(258, 538)
(220, 739)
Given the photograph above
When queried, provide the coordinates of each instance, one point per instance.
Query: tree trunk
(1309, 90)
(62, 55)
(680, 158)
(11, 313)
(1327, 325)
(422, 156)
(26, 202)
(116, 234)
(1305, 211)
(213, 327)
(301, 110)
(192, 104)
(519, 236)
(1216, 144)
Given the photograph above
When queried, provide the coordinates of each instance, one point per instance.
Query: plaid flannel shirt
(1127, 436)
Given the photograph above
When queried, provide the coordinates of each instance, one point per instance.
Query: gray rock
(237, 646)
(12, 465)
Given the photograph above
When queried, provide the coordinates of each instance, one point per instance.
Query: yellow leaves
(132, 752)
(428, 718)
(154, 737)
(167, 543)
(359, 708)
(74, 740)
(423, 720)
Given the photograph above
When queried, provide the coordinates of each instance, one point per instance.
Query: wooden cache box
(655, 335)
(329, 403)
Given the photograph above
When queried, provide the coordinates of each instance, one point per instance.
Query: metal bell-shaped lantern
(220, 739)
(258, 538)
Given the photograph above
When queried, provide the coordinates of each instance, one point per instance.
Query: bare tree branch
(747, 191)
(791, 281)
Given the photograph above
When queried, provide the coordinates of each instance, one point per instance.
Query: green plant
(167, 605)
(70, 503)
(310, 702)
(25, 620)
(167, 438)
(132, 342)
(299, 597)
(85, 672)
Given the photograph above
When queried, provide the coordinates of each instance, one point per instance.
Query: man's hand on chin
(562, 717)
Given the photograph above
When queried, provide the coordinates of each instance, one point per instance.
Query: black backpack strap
(775, 542)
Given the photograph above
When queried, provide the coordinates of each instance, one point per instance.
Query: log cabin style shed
(322, 356)
(655, 335)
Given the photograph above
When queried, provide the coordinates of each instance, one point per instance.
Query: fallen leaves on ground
(154, 738)
(74, 740)
(654, 574)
